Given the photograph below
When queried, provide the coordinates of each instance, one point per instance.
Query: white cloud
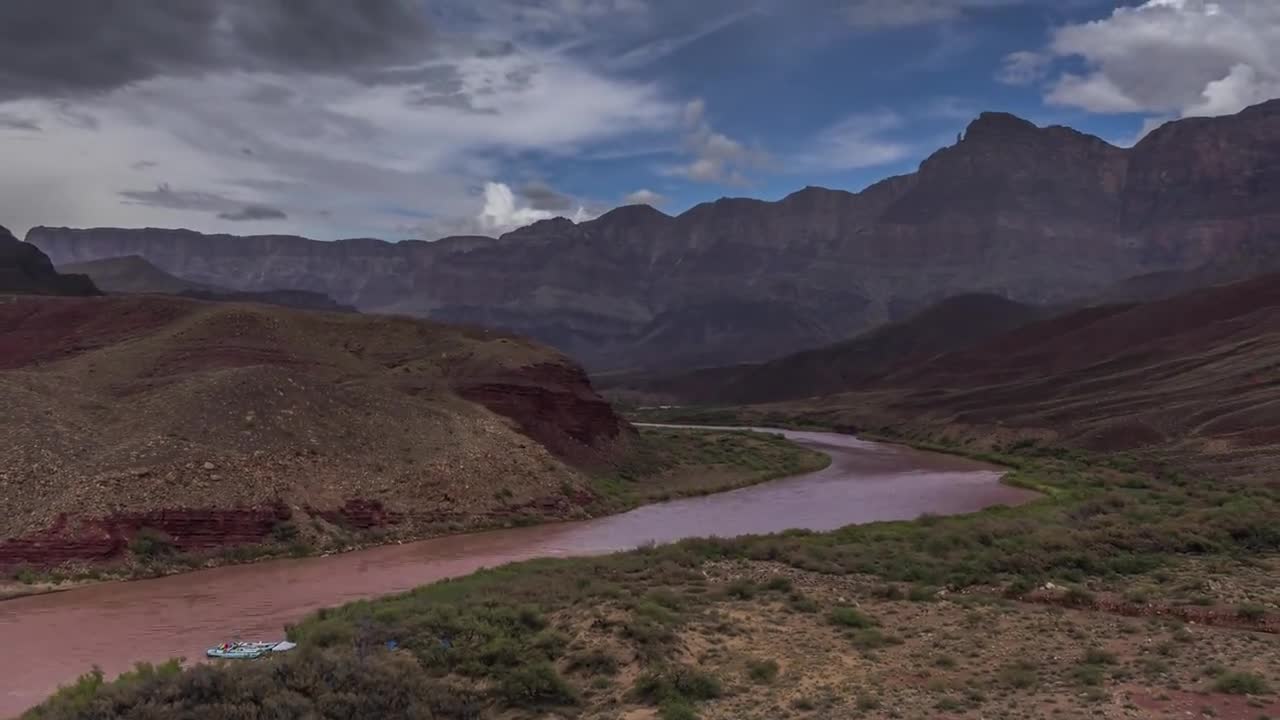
(644, 196)
(339, 156)
(857, 141)
(1169, 58)
(1023, 67)
(717, 157)
(501, 213)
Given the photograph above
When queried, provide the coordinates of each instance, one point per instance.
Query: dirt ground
(945, 656)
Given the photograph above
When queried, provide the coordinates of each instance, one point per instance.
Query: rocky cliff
(25, 270)
(1037, 215)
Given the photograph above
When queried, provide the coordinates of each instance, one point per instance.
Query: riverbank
(1130, 590)
(660, 465)
(181, 615)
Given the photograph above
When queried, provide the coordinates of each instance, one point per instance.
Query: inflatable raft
(247, 650)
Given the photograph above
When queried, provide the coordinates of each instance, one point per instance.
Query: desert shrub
(1098, 656)
(676, 683)
(535, 685)
(285, 531)
(1240, 683)
(741, 590)
(762, 671)
(850, 617)
(779, 583)
(593, 662)
(150, 543)
(1087, 674)
(1253, 612)
(1019, 675)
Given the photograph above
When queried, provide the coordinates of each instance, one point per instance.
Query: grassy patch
(1240, 683)
(667, 463)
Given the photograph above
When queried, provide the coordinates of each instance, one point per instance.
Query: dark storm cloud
(65, 47)
(544, 197)
(9, 121)
(166, 197)
(226, 208)
(254, 212)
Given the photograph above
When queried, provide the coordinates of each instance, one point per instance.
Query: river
(49, 639)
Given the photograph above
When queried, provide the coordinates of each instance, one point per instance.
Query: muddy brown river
(46, 640)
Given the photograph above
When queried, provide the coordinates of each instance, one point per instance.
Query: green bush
(536, 685)
(850, 617)
(1253, 612)
(149, 544)
(1241, 683)
(593, 662)
(677, 682)
(762, 671)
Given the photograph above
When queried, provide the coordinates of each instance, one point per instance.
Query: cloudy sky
(422, 118)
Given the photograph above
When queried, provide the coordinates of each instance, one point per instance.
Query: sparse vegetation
(507, 638)
(1240, 683)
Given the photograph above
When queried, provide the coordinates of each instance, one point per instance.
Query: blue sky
(417, 118)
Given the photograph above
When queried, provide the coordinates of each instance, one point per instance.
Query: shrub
(1020, 675)
(922, 593)
(779, 583)
(593, 662)
(676, 683)
(741, 590)
(762, 671)
(536, 684)
(1240, 683)
(150, 543)
(1098, 656)
(800, 603)
(1089, 674)
(1077, 596)
(677, 710)
(1253, 612)
(850, 617)
(284, 531)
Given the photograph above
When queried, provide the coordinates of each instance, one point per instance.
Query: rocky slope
(133, 274)
(1037, 215)
(1196, 376)
(215, 425)
(26, 270)
(953, 324)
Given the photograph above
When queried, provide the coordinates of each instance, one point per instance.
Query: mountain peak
(998, 126)
(639, 214)
(550, 226)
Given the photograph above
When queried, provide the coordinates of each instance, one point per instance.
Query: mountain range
(1038, 215)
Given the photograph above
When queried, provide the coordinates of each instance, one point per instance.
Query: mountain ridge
(1036, 215)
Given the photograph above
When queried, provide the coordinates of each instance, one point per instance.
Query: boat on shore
(240, 650)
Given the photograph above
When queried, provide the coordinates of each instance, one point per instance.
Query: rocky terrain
(25, 270)
(147, 425)
(952, 324)
(134, 274)
(1037, 215)
(1195, 376)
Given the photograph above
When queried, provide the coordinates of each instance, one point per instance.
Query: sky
(425, 118)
